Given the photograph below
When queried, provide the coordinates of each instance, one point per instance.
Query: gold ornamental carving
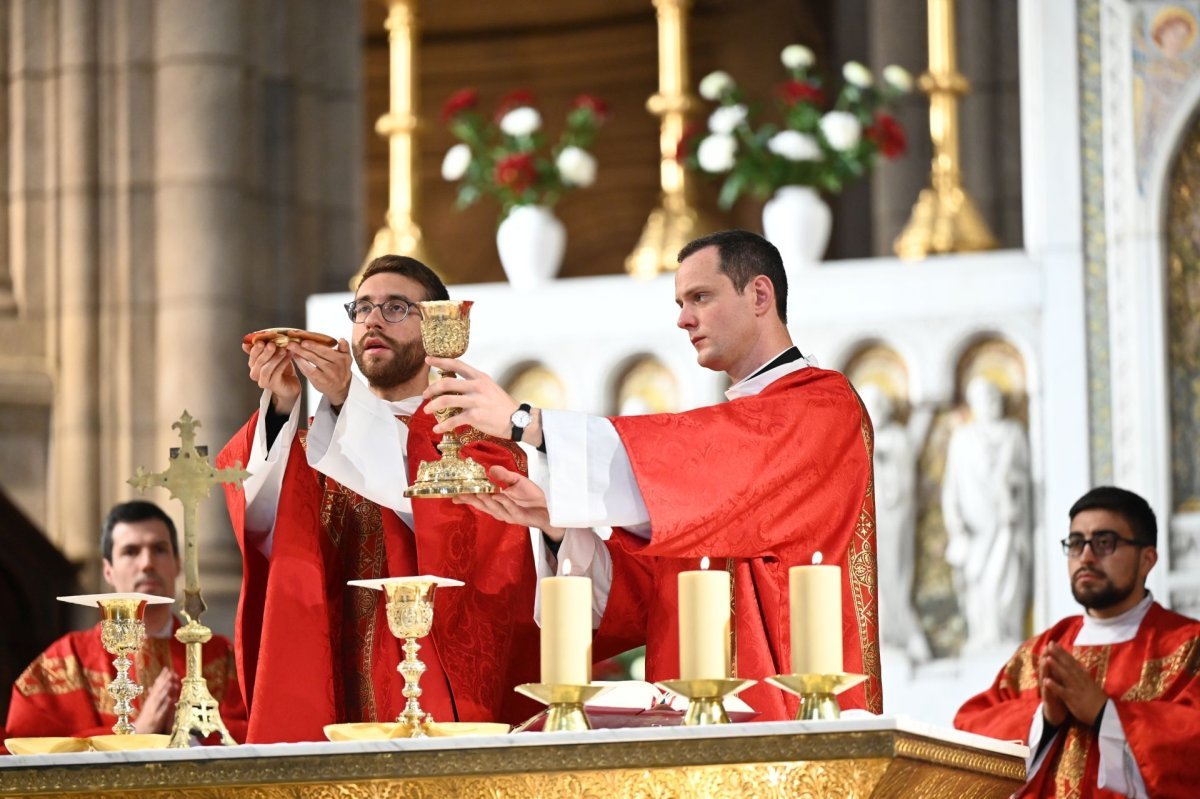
(945, 218)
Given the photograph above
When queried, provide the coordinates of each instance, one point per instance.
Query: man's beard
(1100, 596)
(408, 359)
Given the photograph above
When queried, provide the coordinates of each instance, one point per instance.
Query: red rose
(799, 91)
(591, 102)
(461, 100)
(516, 172)
(887, 135)
(515, 99)
(684, 148)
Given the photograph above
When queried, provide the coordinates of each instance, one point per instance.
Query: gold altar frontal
(784, 759)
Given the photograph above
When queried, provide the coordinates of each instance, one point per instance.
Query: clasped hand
(1067, 688)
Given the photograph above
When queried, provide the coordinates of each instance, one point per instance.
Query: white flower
(715, 153)
(726, 118)
(714, 84)
(856, 74)
(898, 78)
(796, 56)
(521, 121)
(841, 129)
(455, 164)
(795, 146)
(577, 166)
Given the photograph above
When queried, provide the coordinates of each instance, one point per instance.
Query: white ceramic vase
(798, 222)
(531, 241)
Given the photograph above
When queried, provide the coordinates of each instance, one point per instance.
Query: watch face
(521, 419)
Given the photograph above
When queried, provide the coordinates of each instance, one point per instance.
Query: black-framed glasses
(393, 310)
(1103, 544)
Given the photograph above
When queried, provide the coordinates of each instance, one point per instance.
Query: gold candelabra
(944, 218)
(675, 222)
(190, 478)
(400, 234)
(446, 332)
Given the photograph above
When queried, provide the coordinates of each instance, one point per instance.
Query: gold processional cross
(190, 478)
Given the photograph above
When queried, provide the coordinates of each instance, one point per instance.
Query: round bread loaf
(280, 336)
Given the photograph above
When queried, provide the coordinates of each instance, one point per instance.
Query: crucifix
(190, 478)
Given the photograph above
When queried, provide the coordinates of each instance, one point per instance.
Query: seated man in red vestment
(326, 505)
(763, 482)
(1109, 702)
(64, 691)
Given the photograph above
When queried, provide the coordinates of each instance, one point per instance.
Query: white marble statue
(896, 452)
(986, 508)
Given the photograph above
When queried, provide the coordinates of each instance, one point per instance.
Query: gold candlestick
(945, 218)
(817, 692)
(446, 331)
(122, 631)
(190, 478)
(706, 698)
(410, 616)
(674, 223)
(564, 704)
(400, 234)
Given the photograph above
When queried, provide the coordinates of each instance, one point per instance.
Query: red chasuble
(313, 651)
(1153, 682)
(758, 484)
(64, 691)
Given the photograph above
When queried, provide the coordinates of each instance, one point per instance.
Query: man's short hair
(1131, 507)
(138, 510)
(743, 256)
(410, 268)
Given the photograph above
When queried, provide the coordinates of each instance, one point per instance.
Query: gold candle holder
(446, 331)
(564, 704)
(122, 631)
(410, 616)
(706, 698)
(817, 692)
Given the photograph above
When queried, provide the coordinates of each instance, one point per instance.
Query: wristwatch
(520, 420)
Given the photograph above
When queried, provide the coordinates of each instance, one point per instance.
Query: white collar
(757, 382)
(405, 407)
(1118, 629)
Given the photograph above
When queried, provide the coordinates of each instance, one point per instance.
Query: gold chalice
(410, 616)
(446, 330)
(121, 633)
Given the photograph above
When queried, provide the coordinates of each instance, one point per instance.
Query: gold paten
(817, 692)
(190, 478)
(400, 234)
(675, 222)
(564, 704)
(706, 698)
(945, 219)
(446, 332)
(121, 634)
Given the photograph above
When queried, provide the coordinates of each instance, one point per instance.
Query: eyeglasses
(1103, 544)
(393, 310)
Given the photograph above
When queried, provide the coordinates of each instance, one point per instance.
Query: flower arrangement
(508, 157)
(818, 144)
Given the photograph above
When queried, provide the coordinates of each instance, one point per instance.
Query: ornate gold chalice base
(817, 692)
(706, 698)
(121, 633)
(564, 704)
(446, 331)
(410, 616)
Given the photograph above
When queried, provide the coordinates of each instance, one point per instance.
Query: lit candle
(816, 605)
(704, 624)
(566, 629)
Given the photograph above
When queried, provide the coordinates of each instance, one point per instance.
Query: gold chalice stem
(123, 690)
(411, 668)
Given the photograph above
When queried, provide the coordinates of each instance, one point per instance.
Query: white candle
(566, 630)
(704, 625)
(816, 623)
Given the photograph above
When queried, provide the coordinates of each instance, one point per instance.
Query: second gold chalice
(446, 331)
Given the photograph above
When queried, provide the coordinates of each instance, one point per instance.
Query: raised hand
(326, 368)
(158, 704)
(271, 368)
(520, 501)
(485, 406)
